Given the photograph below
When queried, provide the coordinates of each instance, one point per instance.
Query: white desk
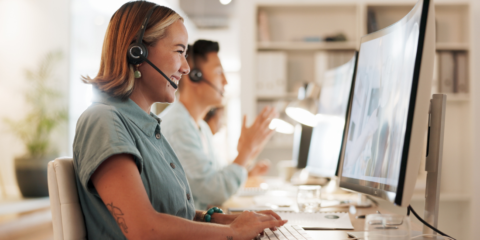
(289, 192)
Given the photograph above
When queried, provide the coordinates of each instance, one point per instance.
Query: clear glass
(387, 227)
(308, 198)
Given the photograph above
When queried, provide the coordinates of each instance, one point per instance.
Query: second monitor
(327, 136)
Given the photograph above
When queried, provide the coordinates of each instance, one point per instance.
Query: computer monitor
(302, 137)
(327, 136)
(387, 120)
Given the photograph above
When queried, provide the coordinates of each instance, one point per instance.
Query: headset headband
(144, 25)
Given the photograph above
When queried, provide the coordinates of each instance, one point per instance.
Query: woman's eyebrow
(181, 45)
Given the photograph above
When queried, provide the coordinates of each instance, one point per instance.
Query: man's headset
(196, 74)
(137, 52)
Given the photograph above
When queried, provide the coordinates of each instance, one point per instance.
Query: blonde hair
(116, 75)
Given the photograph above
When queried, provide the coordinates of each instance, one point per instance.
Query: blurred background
(47, 45)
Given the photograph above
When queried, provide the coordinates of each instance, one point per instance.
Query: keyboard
(286, 232)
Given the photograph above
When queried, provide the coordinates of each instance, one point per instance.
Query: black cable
(423, 221)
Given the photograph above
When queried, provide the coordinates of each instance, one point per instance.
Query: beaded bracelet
(210, 212)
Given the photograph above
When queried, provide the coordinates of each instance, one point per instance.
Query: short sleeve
(101, 133)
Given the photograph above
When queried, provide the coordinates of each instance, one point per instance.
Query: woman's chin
(170, 98)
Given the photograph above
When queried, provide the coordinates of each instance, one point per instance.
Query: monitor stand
(333, 187)
(362, 201)
(332, 191)
(433, 164)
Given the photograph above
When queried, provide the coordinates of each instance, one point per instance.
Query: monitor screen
(382, 107)
(327, 135)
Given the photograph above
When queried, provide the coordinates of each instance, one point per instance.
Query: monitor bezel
(396, 197)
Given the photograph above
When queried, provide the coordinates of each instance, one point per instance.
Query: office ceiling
(208, 13)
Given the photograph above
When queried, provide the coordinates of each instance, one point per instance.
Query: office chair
(67, 217)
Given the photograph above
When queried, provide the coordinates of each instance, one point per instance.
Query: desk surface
(358, 224)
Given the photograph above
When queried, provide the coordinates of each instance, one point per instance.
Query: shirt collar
(128, 108)
(183, 110)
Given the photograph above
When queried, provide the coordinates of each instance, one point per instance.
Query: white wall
(475, 88)
(29, 29)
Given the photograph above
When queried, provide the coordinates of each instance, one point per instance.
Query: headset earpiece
(195, 75)
(135, 53)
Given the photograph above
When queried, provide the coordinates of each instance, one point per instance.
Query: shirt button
(172, 165)
(188, 196)
(157, 135)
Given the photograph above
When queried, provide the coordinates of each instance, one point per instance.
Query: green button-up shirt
(111, 126)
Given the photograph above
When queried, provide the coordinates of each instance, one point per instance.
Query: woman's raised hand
(249, 224)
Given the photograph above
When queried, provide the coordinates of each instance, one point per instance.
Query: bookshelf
(294, 28)
(289, 30)
(293, 46)
(452, 46)
(452, 22)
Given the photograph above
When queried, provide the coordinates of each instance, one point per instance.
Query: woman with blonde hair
(130, 182)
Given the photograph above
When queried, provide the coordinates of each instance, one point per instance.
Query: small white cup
(286, 169)
(308, 198)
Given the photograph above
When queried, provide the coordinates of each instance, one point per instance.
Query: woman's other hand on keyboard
(229, 218)
(249, 224)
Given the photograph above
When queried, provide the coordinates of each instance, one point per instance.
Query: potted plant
(35, 130)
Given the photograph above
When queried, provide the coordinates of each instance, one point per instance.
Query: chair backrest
(67, 217)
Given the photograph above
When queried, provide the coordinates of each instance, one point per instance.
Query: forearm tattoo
(118, 216)
(229, 238)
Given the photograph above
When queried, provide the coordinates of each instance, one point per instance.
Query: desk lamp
(304, 109)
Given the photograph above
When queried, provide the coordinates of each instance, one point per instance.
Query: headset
(137, 52)
(196, 74)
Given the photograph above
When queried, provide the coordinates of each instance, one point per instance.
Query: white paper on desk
(318, 220)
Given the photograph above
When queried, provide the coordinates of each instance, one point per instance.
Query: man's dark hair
(202, 47)
(199, 50)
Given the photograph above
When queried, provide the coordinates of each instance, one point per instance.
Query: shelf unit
(306, 46)
(290, 21)
(452, 33)
(286, 29)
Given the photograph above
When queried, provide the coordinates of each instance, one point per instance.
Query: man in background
(212, 182)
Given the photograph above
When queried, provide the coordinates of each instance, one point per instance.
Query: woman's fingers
(272, 224)
(272, 213)
(264, 217)
(249, 224)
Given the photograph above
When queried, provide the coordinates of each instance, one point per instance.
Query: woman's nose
(184, 69)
